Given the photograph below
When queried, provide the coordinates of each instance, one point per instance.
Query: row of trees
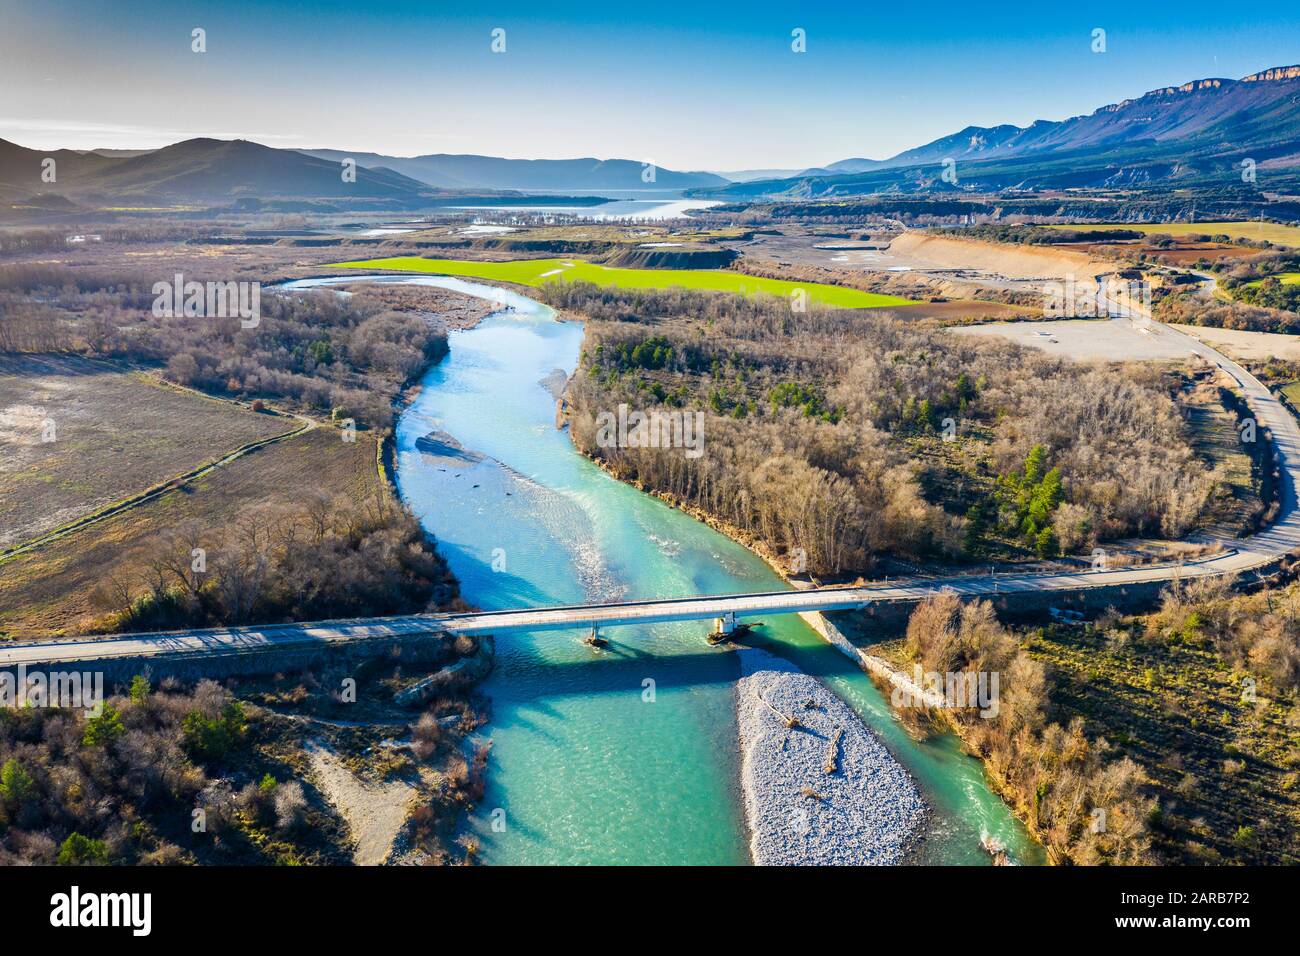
(1056, 776)
(328, 559)
(1030, 235)
(20, 241)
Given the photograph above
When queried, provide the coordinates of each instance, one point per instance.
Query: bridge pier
(725, 626)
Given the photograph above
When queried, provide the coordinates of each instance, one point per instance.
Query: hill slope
(1196, 134)
(20, 168)
(491, 172)
(210, 170)
(201, 172)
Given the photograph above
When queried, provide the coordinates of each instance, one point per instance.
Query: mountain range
(540, 175)
(1207, 134)
(215, 172)
(199, 171)
(1196, 134)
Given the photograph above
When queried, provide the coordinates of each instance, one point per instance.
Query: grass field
(1280, 235)
(1286, 278)
(115, 433)
(534, 272)
(51, 591)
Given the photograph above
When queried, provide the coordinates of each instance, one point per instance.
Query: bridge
(1241, 556)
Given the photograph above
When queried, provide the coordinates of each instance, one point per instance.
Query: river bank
(775, 844)
(583, 740)
(819, 787)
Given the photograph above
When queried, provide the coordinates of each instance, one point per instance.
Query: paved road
(1244, 555)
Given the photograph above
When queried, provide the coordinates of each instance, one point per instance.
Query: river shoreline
(883, 673)
(886, 676)
(882, 841)
(485, 394)
(875, 667)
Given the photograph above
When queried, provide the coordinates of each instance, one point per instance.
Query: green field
(1286, 278)
(534, 272)
(1280, 235)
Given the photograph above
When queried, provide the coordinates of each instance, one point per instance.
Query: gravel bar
(823, 791)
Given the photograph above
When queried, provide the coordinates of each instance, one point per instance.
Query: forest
(1057, 777)
(318, 350)
(819, 424)
(329, 559)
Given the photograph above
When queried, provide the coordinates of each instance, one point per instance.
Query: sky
(714, 86)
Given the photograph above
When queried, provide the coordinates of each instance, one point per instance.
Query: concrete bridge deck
(1253, 554)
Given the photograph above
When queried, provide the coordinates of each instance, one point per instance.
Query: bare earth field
(960, 312)
(115, 433)
(792, 245)
(1247, 346)
(51, 591)
(925, 251)
(1112, 340)
(375, 812)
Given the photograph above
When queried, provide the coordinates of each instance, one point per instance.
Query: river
(626, 754)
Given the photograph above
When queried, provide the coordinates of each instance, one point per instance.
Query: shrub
(16, 784)
(78, 850)
(104, 729)
(139, 689)
(425, 736)
(290, 804)
(211, 738)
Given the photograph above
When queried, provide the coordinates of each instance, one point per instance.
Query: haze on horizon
(669, 83)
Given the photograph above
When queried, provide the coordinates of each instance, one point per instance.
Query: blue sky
(683, 85)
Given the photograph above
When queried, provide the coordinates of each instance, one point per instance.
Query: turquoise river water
(585, 765)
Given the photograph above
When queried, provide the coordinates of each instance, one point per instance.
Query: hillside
(1193, 135)
(491, 172)
(202, 171)
(209, 169)
(20, 168)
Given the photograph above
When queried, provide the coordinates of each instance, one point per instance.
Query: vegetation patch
(317, 351)
(1186, 721)
(536, 272)
(848, 435)
(80, 435)
(1059, 775)
(1273, 232)
(186, 774)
